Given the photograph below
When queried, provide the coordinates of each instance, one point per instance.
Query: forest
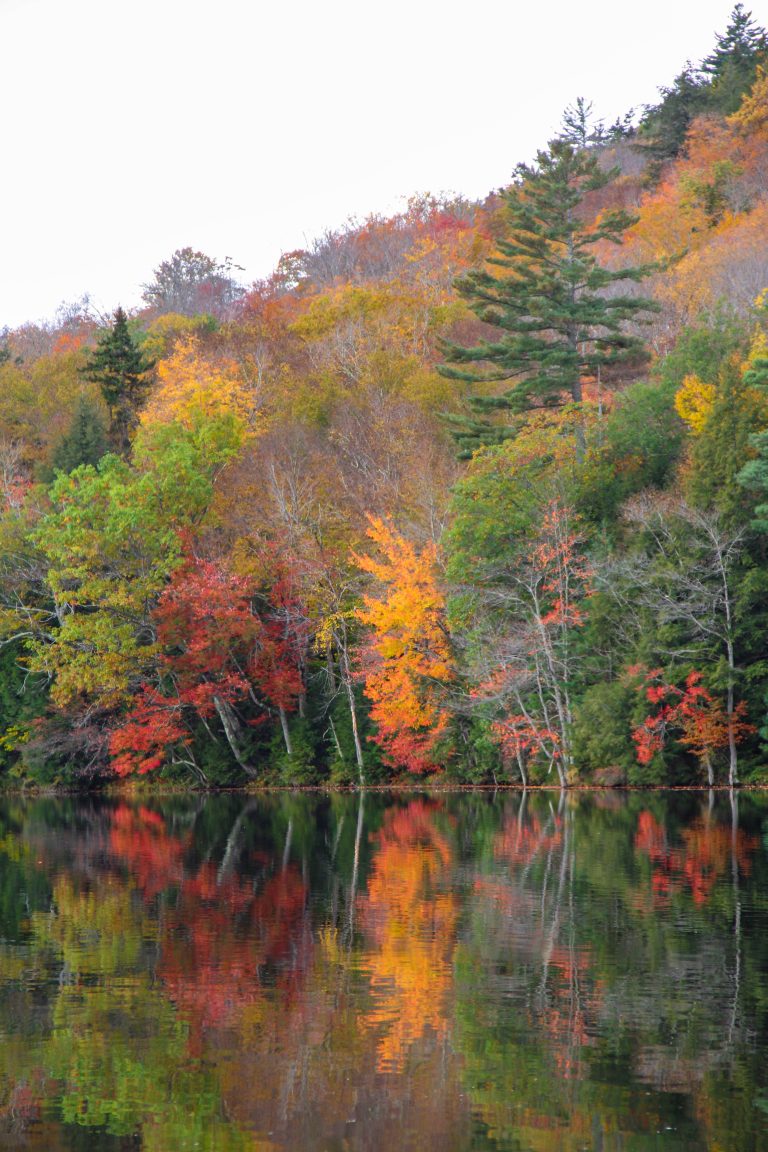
(476, 493)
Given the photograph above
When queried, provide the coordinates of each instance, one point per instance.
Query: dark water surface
(329, 972)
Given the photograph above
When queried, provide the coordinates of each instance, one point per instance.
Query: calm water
(456, 972)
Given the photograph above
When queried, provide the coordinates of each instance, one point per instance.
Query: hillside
(476, 492)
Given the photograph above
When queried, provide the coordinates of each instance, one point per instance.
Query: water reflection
(455, 972)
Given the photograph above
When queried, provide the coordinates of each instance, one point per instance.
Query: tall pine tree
(553, 307)
(732, 65)
(118, 366)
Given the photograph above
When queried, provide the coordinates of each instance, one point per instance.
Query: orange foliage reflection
(410, 924)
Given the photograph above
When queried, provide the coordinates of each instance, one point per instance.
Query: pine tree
(86, 440)
(579, 126)
(118, 366)
(664, 126)
(732, 65)
(740, 45)
(555, 315)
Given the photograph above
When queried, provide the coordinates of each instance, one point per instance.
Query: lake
(381, 972)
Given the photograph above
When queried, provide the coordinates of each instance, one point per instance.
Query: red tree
(700, 719)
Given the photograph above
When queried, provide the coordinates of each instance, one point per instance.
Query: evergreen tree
(118, 366)
(553, 308)
(717, 86)
(740, 46)
(664, 127)
(754, 474)
(732, 65)
(579, 126)
(85, 442)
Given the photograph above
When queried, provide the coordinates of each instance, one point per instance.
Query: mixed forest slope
(479, 490)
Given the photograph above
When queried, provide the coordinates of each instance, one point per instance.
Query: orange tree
(407, 661)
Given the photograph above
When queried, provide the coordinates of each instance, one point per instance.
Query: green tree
(579, 126)
(552, 306)
(719, 453)
(120, 369)
(754, 474)
(110, 544)
(732, 65)
(86, 440)
(664, 126)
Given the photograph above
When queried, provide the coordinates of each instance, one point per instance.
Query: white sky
(245, 127)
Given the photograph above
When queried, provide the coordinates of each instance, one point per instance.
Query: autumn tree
(120, 369)
(555, 313)
(190, 283)
(751, 117)
(206, 633)
(693, 714)
(110, 542)
(408, 660)
(192, 389)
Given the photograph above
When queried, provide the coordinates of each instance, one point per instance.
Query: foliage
(202, 602)
(704, 726)
(192, 391)
(190, 283)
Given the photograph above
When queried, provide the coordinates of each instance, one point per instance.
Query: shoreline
(128, 790)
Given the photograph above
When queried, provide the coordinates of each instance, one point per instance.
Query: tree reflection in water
(368, 972)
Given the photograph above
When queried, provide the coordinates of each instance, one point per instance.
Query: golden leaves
(193, 390)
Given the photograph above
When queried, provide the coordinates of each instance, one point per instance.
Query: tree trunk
(733, 764)
(346, 676)
(708, 765)
(336, 743)
(229, 724)
(355, 732)
(286, 731)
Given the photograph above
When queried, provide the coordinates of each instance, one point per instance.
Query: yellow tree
(407, 662)
(192, 389)
(752, 115)
(694, 401)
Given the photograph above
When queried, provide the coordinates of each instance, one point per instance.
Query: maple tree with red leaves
(204, 627)
(277, 664)
(213, 650)
(698, 717)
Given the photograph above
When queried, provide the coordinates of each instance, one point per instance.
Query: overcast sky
(245, 127)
